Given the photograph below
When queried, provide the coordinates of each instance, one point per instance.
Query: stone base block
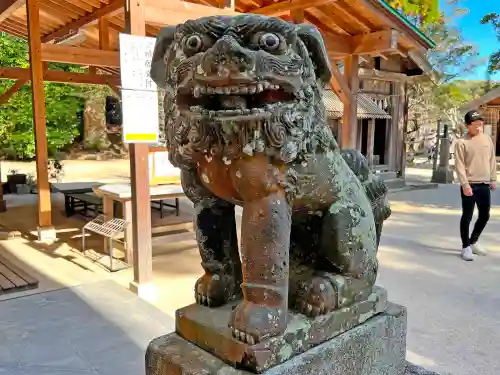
(376, 347)
(208, 329)
(443, 175)
(47, 235)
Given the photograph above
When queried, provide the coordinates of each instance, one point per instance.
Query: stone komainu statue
(246, 124)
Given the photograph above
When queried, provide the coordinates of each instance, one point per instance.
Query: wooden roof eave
(482, 101)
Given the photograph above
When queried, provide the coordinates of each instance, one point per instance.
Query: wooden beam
(115, 89)
(379, 41)
(298, 15)
(339, 84)
(350, 118)
(385, 41)
(61, 77)
(11, 91)
(41, 153)
(381, 75)
(172, 12)
(338, 44)
(142, 253)
(284, 7)
(80, 56)
(108, 10)
(8, 7)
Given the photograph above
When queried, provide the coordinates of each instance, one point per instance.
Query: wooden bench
(14, 279)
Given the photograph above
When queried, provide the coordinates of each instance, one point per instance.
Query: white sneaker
(467, 254)
(478, 249)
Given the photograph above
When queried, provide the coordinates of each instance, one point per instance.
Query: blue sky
(483, 36)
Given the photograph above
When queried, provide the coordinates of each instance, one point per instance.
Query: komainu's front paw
(216, 289)
(252, 323)
(316, 296)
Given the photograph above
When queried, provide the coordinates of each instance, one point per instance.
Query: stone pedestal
(443, 174)
(375, 347)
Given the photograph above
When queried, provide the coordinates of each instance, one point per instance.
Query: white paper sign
(136, 53)
(139, 92)
(140, 116)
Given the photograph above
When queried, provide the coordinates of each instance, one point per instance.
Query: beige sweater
(475, 160)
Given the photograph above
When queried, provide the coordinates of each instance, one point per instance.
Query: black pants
(481, 196)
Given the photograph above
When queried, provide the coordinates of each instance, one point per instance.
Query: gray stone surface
(93, 329)
(376, 347)
(412, 369)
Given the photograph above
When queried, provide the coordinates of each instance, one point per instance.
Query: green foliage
(494, 20)
(63, 103)
(452, 58)
(421, 12)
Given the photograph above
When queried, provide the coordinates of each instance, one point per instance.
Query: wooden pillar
(392, 130)
(349, 120)
(3, 204)
(370, 140)
(45, 232)
(388, 151)
(359, 134)
(403, 128)
(398, 128)
(139, 173)
(103, 33)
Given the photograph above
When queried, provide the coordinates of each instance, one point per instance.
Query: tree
(494, 20)
(63, 104)
(420, 12)
(452, 58)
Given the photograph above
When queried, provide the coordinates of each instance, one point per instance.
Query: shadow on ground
(97, 328)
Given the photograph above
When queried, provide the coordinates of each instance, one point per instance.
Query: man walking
(475, 163)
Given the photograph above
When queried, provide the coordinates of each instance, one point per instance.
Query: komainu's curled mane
(246, 124)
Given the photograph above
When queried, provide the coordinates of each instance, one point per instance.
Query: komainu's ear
(313, 40)
(158, 71)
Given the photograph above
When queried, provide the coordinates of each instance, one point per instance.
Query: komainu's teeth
(235, 90)
(196, 91)
(252, 89)
(203, 89)
(196, 109)
(219, 90)
(275, 87)
(227, 90)
(210, 90)
(260, 87)
(266, 85)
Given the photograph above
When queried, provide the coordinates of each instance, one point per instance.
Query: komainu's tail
(375, 188)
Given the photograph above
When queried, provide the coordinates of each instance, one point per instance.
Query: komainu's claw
(317, 297)
(214, 290)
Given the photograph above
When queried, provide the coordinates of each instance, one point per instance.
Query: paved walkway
(453, 305)
(94, 329)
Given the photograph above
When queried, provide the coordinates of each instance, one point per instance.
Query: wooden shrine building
(489, 105)
(373, 50)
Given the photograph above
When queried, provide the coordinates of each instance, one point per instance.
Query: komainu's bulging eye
(193, 43)
(269, 41)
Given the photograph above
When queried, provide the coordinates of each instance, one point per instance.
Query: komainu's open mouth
(232, 101)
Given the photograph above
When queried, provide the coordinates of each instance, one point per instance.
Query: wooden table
(122, 193)
(70, 188)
